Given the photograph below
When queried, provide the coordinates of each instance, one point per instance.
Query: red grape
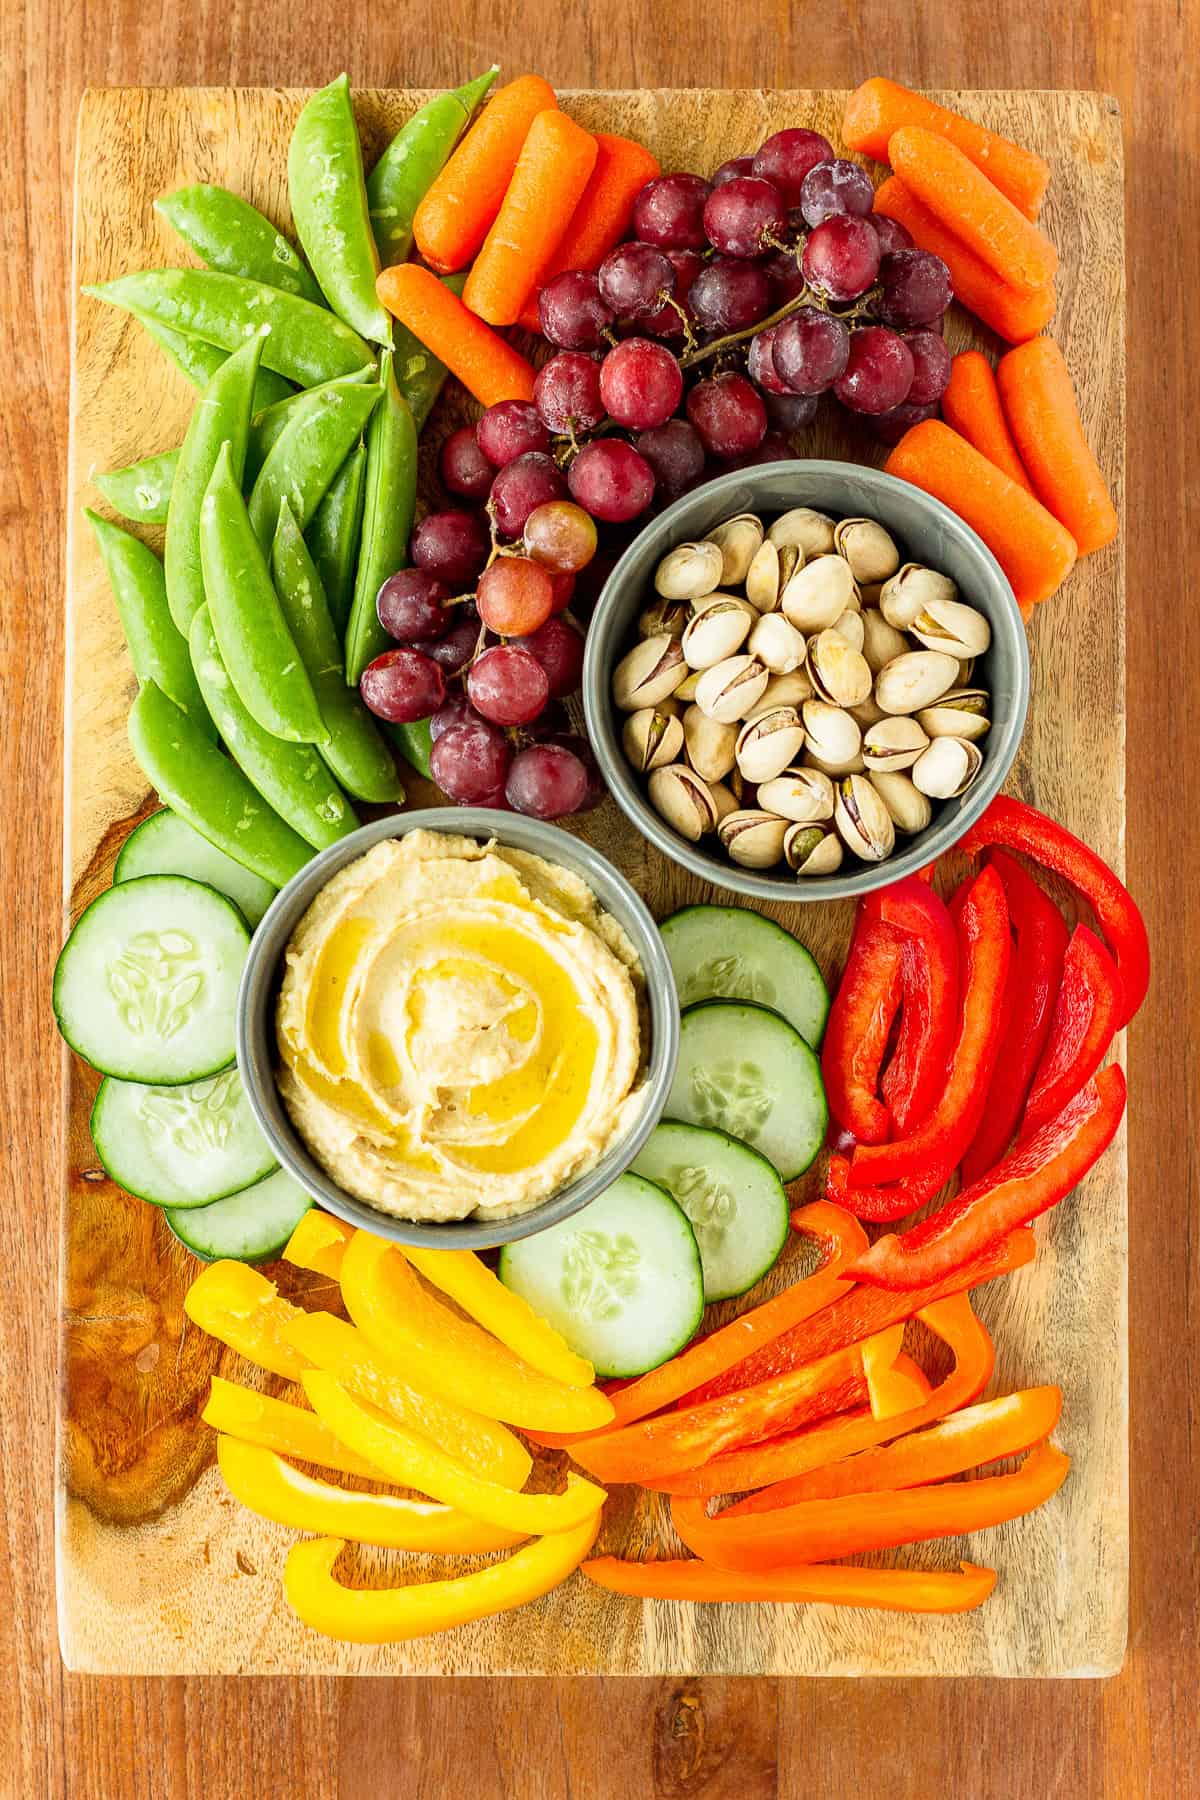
(641, 384)
(730, 294)
(611, 481)
(633, 279)
(470, 761)
(454, 651)
(508, 685)
(561, 536)
(675, 454)
(787, 157)
(667, 321)
(456, 709)
(891, 233)
(558, 646)
(932, 363)
(453, 545)
(916, 287)
(890, 427)
(579, 746)
(515, 596)
(785, 276)
(841, 258)
(879, 371)
(546, 781)
(567, 392)
(403, 686)
(729, 415)
(732, 170)
(760, 365)
(836, 187)
(411, 605)
(810, 350)
(790, 412)
(521, 486)
(774, 448)
(563, 583)
(572, 312)
(742, 216)
(464, 469)
(669, 212)
(510, 429)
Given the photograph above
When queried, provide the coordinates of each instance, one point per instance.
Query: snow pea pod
(256, 645)
(420, 375)
(291, 778)
(229, 234)
(199, 361)
(329, 205)
(356, 752)
(267, 426)
(141, 491)
(391, 495)
(306, 343)
(415, 743)
(190, 775)
(308, 453)
(221, 415)
(156, 649)
(334, 534)
(406, 170)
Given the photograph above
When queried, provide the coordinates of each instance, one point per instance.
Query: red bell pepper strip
(952, 1320)
(1035, 977)
(1085, 1022)
(986, 951)
(886, 1590)
(1040, 1172)
(884, 1205)
(1015, 826)
(820, 1530)
(916, 1071)
(858, 1028)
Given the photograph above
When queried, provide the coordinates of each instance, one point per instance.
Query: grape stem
(806, 297)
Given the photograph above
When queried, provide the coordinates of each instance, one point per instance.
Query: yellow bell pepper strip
(885, 1590)
(318, 1243)
(481, 1294)
(414, 1462)
(241, 1308)
(273, 1489)
(272, 1424)
(329, 1343)
(392, 1615)
(448, 1355)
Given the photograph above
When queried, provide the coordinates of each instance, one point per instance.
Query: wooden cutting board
(160, 1572)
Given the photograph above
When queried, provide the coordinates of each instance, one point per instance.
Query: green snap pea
(329, 204)
(306, 343)
(256, 645)
(406, 170)
(141, 490)
(308, 453)
(156, 649)
(229, 234)
(199, 362)
(420, 376)
(334, 534)
(415, 743)
(268, 426)
(356, 751)
(221, 415)
(291, 778)
(390, 499)
(191, 776)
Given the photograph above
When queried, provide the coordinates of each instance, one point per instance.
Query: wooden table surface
(539, 1740)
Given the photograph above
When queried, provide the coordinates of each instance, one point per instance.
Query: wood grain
(1136, 1734)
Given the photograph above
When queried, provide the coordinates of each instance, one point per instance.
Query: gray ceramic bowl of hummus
(277, 985)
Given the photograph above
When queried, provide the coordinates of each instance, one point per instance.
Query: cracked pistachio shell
(863, 821)
(648, 673)
(911, 810)
(882, 643)
(833, 736)
(715, 634)
(803, 795)
(910, 589)
(915, 680)
(962, 713)
(840, 673)
(961, 631)
(683, 800)
(652, 738)
(791, 689)
(810, 532)
(686, 691)
(867, 712)
(808, 850)
(752, 838)
(868, 548)
(947, 768)
(818, 593)
(849, 625)
(710, 746)
(778, 645)
(762, 578)
(669, 616)
(724, 799)
(769, 742)
(738, 540)
(732, 689)
(689, 571)
(850, 765)
(894, 743)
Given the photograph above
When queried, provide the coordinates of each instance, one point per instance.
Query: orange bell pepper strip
(842, 1238)
(974, 1358)
(484, 1297)
(241, 1308)
(966, 1440)
(274, 1490)
(448, 1355)
(255, 1418)
(884, 1590)
(392, 1615)
(319, 1243)
(894, 1386)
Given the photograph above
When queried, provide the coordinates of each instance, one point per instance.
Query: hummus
(461, 1028)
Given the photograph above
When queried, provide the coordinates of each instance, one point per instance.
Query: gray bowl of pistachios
(805, 680)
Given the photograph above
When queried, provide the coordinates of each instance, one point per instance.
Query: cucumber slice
(621, 1280)
(729, 953)
(146, 984)
(731, 1194)
(744, 1070)
(252, 1226)
(180, 1146)
(165, 844)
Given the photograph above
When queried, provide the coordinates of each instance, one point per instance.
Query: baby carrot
(602, 217)
(1035, 387)
(879, 107)
(552, 172)
(978, 214)
(457, 212)
(1032, 548)
(487, 366)
(971, 406)
(1012, 316)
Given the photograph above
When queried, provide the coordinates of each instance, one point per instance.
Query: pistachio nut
(962, 713)
(863, 821)
(914, 680)
(803, 795)
(731, 689)
(840, 673)
(762, 578)
(710, 746)
(689, 571)
(894, 743)
(652, 738)
(776, 643)
(867, 712)
(881, 641)
(961, 631)
(911, 810)
(947, 768)
(686, 691)
(720, 597)
(911, 589)
(868, 548)
(818, 593)
(850, 626)
(811, 532)
(966, 669)
(648, 673)
(850, 765)
(808, 850)
(683, 800)
(715, 634)
(664, 615)
(737, 540)
(790, 558)
(724, 799)
(769, 742)
(752, 838)
(833, 736)
(791, 689)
